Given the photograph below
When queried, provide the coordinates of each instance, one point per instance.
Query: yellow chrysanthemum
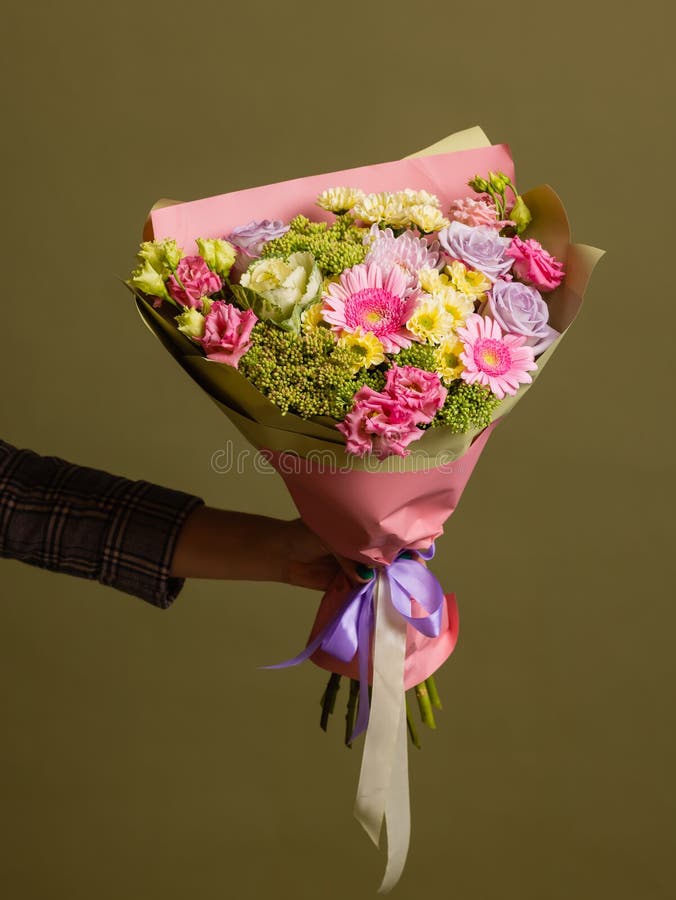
(432, 280)
(447, 358)
(339, 199)
(426, 217)
(467, 281)
(431, 322)
(312, 317)
(457, 305)
(367, 345)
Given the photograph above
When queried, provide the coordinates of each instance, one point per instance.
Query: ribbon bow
(349, 631)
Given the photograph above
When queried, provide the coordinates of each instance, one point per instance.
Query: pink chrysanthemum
(367, 298)
(408, 252)
(499, 361)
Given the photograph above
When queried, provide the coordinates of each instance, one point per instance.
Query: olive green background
(144, 755)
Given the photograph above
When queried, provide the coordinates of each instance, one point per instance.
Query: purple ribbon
(349, 631)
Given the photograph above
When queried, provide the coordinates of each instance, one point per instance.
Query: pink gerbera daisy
(368, 298)
(499, 361)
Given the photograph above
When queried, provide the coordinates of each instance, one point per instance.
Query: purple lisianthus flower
(479, 247)
(250, 238)
(519, 309)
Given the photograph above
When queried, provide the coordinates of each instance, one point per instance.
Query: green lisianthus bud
(478, 184)
(191, 322)
(163, 255)
(219, 255)
(520, 214)
(499, 181)
(149, 280)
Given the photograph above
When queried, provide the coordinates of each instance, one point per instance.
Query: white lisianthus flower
(191, 322)
(147, 279)
(218, 254)
(163, 255)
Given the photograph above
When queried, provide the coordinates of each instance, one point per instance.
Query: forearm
(217, 543)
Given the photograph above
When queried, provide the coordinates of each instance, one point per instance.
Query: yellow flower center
(373, 317)
(490, 358)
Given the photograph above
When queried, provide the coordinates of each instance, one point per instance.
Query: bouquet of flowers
(365, 330)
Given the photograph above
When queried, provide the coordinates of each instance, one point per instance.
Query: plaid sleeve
(89, 523)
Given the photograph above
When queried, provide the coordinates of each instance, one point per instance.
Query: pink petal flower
(534, 265)
(227, 332)
(372, 300)
(500, 362)
(196, 281)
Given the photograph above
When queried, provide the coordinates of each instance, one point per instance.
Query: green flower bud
(520, 215)
(146, 279)
(191, 322)
(219, 255)
(163, 256)
(478, 184)
(499, 181)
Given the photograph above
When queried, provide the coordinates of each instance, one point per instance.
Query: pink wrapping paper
(445, 175)
(371, 517)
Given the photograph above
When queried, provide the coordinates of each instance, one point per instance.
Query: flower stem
(351, 713)
(426, 712)
(435, 699)
(412, 730)
(329, 700)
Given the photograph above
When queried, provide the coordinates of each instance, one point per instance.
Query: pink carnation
(227, 332)
(421, 392)
(379, 424)
(534, 265)
(196, 281)
(470, 211)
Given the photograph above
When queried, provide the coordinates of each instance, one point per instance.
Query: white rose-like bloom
(339, 199)
(283, 284)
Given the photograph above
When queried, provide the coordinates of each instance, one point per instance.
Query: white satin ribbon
(382, 794)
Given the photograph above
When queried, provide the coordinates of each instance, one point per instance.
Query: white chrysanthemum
(418, 198)
(427, 218)
(339, 199)
(431, 322)
(447, 358)
(382, 208)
